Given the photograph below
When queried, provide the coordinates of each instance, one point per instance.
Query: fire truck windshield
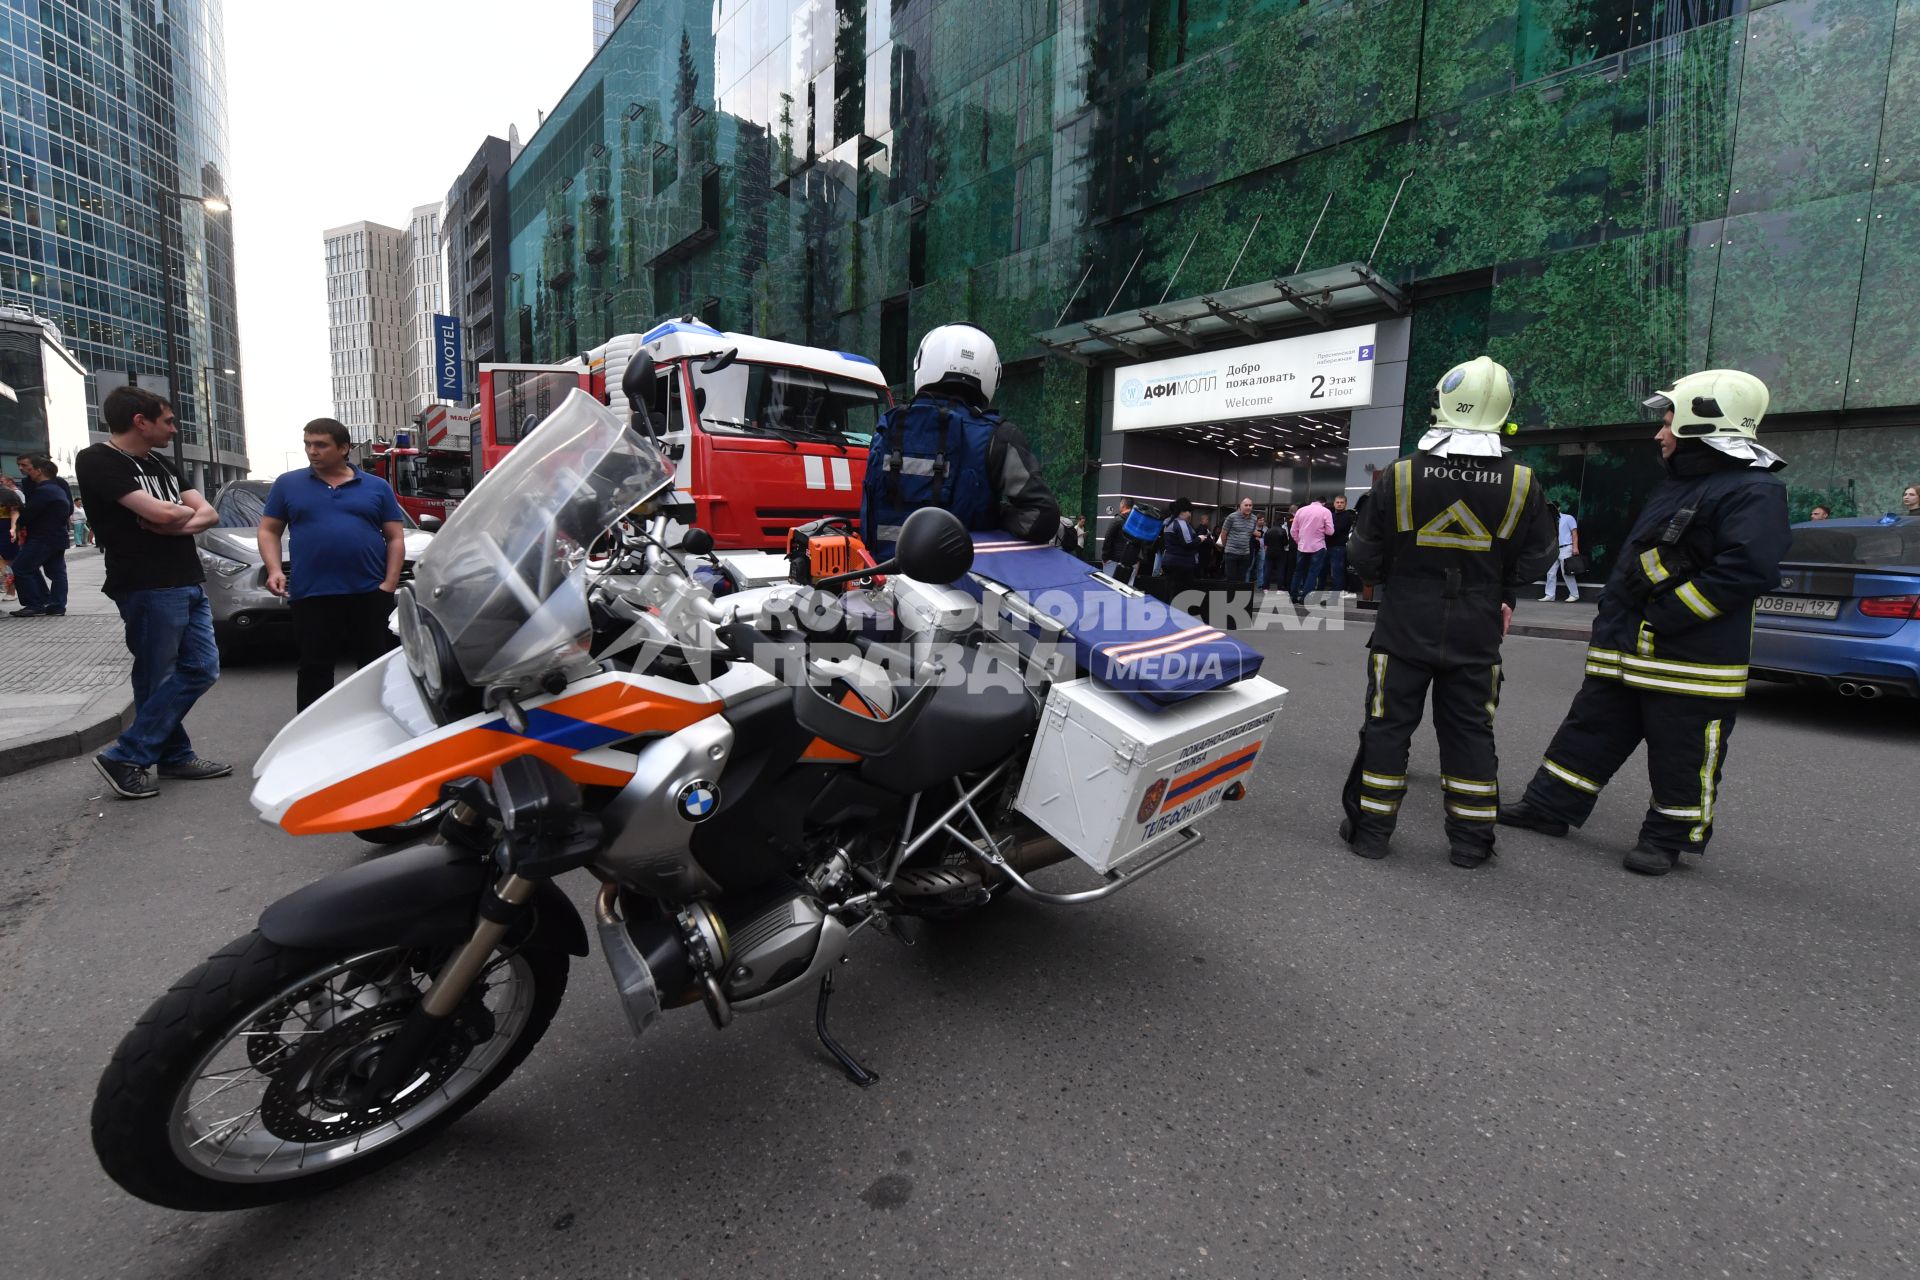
(780, 400)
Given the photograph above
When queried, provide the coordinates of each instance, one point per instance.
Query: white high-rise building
(384, 287)
(426, 288)
(367, 328)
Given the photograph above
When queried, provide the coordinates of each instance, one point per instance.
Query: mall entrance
(1283, 390)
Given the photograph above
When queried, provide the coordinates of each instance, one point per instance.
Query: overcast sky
(360, 109)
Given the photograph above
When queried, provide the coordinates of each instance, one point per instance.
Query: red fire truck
(429, 467)
(764, 435)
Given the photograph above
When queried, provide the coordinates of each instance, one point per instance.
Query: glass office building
(1602, 196)
(102, 106)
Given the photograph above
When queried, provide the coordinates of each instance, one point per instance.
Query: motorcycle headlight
(417, 643)
(225, 566)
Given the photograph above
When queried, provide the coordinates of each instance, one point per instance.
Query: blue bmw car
(1846, 615)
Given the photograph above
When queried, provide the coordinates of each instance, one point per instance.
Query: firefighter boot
(1522, 814)
(1650, 862)
(1368, 844)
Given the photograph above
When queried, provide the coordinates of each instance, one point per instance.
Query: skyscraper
(107, 109)
(474, 232)
(366, 328)
(426, 291)
(384, 286)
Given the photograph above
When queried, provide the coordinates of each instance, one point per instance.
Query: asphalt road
(1273, 1059)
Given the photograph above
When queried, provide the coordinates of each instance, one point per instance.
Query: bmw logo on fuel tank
(698, 799)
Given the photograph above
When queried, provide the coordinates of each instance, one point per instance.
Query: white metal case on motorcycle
(1110, 779)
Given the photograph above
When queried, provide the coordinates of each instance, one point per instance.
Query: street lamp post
(212, 204)
(206, 381)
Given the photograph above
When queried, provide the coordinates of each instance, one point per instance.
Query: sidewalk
(68, 688)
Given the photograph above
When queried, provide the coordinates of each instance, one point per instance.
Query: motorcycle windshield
(506, 576)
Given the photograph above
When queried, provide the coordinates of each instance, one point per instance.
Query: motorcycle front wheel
(238, 1087)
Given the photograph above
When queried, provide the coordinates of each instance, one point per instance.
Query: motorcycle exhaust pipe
(1037, 851)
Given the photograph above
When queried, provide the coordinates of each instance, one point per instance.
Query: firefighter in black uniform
(1452, 530)
(1667, 663)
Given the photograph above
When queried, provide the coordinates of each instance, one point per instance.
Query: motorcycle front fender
(419, 897)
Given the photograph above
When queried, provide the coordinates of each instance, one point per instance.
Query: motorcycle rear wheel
(232, 1089)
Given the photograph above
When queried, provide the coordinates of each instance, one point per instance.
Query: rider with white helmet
(948, 448)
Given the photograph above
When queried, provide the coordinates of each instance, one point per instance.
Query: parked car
(1846, 615)
(243, 608)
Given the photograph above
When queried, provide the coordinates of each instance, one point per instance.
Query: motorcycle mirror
(698, 542)
(933, 546)
(721, 361)
(430, 523)
(637, 383)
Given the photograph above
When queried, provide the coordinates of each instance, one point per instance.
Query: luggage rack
(992, 852)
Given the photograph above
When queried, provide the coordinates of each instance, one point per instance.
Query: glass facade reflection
(103, 105)
(1600, 195)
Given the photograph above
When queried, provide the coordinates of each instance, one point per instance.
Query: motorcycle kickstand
(855, 1072)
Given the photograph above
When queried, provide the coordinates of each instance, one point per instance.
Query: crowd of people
(1297, 550)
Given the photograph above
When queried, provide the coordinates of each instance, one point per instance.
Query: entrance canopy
(1326, 296)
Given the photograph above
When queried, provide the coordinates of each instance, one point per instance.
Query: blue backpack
(928, 453)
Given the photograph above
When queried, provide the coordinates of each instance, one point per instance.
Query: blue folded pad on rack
(1130, 643)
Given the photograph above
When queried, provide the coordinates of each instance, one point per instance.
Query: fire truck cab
(764, 435)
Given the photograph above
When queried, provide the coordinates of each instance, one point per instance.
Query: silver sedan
(243, 608)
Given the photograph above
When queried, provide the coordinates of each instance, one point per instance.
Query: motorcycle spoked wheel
(235, 1089)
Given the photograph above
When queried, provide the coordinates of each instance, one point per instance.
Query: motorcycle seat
(1128, 642)
(980, 713)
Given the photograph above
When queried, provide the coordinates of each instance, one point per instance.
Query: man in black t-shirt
(145, 523)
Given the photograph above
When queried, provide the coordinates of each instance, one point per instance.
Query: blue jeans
(1306, 573)
(36, 557)
(1337, 568)
(170, 634)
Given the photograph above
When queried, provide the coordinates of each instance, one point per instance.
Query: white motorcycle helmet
(957, 353)
(1475, 396)
(1718, 403)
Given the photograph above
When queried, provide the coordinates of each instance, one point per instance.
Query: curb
(99, 722)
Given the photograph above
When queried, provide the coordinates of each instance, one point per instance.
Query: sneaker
(129, 781)
(56, 613)
(1468, 858)
(195, 770)
(29, 613)
(1546, 599)
(1650, 862)
(1522, 815)
(1368, 844)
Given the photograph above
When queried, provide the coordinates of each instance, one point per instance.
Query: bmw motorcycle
(752, 774)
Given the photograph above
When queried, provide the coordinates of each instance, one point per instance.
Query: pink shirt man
(1311, 525)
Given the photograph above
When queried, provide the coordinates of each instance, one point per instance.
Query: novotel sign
(450, 370)
(1293, 375)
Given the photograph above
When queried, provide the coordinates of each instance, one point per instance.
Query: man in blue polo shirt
(349, 532)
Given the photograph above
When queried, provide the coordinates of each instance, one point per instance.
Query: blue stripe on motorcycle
(561, 731)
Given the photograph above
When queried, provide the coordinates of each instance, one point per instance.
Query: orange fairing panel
(565, 732)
